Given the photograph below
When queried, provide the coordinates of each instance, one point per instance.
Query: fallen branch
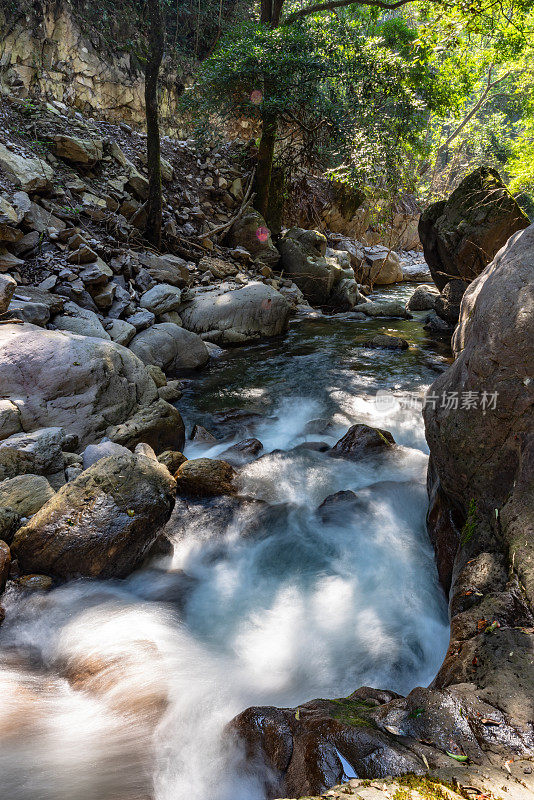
(247, 200)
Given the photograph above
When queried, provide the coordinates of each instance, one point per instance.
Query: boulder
(34, 294)
(37, 453)
(423, 299)
(461, 235)
(205, 477)
(28, 311)
(104, 449)
(31, 174)
(218, 267)
(5, 564)
(9, 522)
(251, 233)
(9, 419)
(303, 259)
(387, 308)
(447, 305)
(386, 342)
(119, 331)
(161, 299)
(381, 267)
(142, 319)
(7, 287)
(253, 312)
(166, 269)
(172, 460)
(84, 152)
(170, 347)
(476, 447)
(437, 326)
(81, 321)
(160, 425)
(243, 452)
(361, 441)
(37, 218)
(82, 384)
(25, 494)
(101, 524)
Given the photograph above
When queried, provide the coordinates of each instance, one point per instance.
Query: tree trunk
(156, 45)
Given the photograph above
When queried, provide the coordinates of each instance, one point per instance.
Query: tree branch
(330, 5)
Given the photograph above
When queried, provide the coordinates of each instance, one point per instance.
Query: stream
(305, 606)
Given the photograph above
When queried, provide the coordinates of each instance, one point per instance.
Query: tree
(156, 46)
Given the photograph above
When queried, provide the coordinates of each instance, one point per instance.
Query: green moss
(470, 524)
(352, 712)
(427, 788)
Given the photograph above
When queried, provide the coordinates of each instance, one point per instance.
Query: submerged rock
(386, 342)
(102, 523)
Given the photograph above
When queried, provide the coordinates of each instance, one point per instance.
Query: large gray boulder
(101, 524)
(170, 347)
(161, 299)
(38, 453)
(82, 321)
(82, 384)
(254, 312)
(461, 235)
(303, 258)
(25, 494)
(31, 174)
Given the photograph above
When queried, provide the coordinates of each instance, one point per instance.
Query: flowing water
(111, 687)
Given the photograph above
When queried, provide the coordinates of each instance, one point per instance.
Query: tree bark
(156, 45)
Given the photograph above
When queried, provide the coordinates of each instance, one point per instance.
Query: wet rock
(315, 447)
(82, 384)
(5, 564)
(390, 308)
(361, 441)
(171, 348)
(25, 494)
(447, 305)
(461, 235)
(102, 523)
(171, 392)
(251, 233)
(172, 459)
(200, 435)
(386, 342)
(9, 522)
(423, 299)
(205, 477)
(239, 316)
(160, 425)
(34, 583)
(242, 452)
(335, 507)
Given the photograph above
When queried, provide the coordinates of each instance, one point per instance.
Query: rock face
(102, 523)
(82, 384)
(171, 348)
(447, 305)
(244, 315)
(304, 260)
(460, 236)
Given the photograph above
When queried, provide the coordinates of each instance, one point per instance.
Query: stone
(303, 260)
(157, 375)
(25, 494)
(171, 316)
(9, 419)
(171, 348)
(39, 219)
(101, 524)
(461, 235)
(141, 320)
(166, 269)
(80, 321)
(28, 311)
(83, 255)
(251, 233)
(160, 425)
(379, 308)
(242, 452)
(83, 384)
(8, 260)
(200, 435)
(7, 287)
(161, 299)
(32, 294)
(171, 392)
(38, 453)
(172, 460)
(437, 326)
(381, 267)
(104, 449)
(447, 305)
(31, 174)
(386, 342)
(143, 449)
(34, 583)
(362, 441)
(248, 314)
(119, 331)
(103, 299)
(167, 171)
(9, 522)
(5, 564)
(217, 267)
(95, 274)
(423, 299)
(205, 477)
(84, 152)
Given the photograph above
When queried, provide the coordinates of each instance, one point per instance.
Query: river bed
(308, 606)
